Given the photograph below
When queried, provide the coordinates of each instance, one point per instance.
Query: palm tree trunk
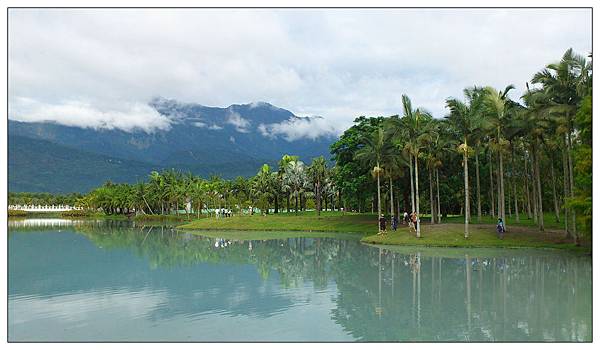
(566, 192)
(378, 195)
(478, 185)
(318, 198)
(437, 184)
(571, 185)
(296, 209)
(526, 177)
(466, 175)
(514, 186)
(391, 198)
(412, 188)
(534, 191)
(492, 201)
(539, 190)
(431, 202)
(417, 194)
(501, 208)
(554, 197)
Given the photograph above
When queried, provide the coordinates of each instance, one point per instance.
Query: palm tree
(283, 162)
(495, 107)
(295, 180)
(262, 187)
(416, 123)
(376, 148)
(566, 83)
(317, 172)
(466, 119)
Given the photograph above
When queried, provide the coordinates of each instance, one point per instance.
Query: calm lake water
(110, 281)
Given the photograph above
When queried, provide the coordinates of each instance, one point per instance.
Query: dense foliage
(490, 155)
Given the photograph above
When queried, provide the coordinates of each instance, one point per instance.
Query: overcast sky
(99, 68)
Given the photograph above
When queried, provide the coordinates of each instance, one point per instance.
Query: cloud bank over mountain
(98, 68)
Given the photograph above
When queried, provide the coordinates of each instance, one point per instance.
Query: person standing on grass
(413, 221)
(394, 222)
(500, 228)
(382, 224)
(405, 218)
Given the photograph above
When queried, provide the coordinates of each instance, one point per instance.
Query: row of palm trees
(528, 139)
(171, 191)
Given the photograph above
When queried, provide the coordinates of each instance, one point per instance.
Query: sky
(99, 68)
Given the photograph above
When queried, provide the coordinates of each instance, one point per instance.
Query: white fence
(43, 208)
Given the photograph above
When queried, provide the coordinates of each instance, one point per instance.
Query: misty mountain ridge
(201, 139)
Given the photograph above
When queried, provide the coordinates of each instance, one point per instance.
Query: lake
(116, 281)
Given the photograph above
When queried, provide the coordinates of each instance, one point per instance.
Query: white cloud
(339, 63)
(240, 124)
(298, 128)
(129, 117)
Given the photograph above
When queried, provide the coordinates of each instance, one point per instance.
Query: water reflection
(295, 289)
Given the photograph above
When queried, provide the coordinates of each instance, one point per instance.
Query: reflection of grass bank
(452, 235)
(442, 235)
(181, 218)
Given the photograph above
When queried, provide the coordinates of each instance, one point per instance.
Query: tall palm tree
(465, 117)
(295, 180)
(495, 107)
(318, 173)
(416, 123)
(566, 83)
(283, 163)
(376, 148)
(262, 187)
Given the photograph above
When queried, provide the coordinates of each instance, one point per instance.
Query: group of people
(410, 220)
(223, 213)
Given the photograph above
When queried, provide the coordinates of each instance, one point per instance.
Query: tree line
(294, 185)
(535, 153)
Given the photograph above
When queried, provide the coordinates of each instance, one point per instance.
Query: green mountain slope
(42, 166)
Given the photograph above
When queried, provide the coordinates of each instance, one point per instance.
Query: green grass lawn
(448, 234)
(549, 220)
(307, 221)
(484, 235)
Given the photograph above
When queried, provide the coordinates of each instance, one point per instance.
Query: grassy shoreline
(364, 226)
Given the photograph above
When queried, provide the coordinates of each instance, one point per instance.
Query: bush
(18, 213)
(158, 217)
(77, 213)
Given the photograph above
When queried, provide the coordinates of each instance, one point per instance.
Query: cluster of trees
(536, 153)
(297, 185)
(33, 198)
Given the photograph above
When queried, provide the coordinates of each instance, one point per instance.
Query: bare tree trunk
(526, 177)
(391, 198)
(378, 195)
(492, 201)
(514, 183)
(566, 192)
(501, 208)
(412, 188)
(466, 175)
(539, 190)
(554, 197)
(417, 194)
(572, 186)
(478, 185)
(534, 190)
(431, 201)
(437, 184)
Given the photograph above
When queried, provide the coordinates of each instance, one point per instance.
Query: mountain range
(231, 141)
